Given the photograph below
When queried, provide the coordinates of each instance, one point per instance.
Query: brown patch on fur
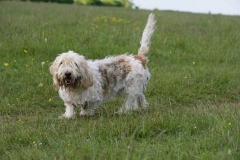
(114, 72)
(105, 79)
(142, 51)
(143, 60)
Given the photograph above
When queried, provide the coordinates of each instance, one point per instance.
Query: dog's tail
(146, 36)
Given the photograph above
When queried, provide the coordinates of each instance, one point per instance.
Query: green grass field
(193, 94)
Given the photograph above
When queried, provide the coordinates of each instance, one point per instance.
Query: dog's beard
(70, 82)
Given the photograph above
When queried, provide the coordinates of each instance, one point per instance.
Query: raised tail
(146, 36)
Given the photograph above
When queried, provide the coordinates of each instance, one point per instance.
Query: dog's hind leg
(135, 99)
(142, 101)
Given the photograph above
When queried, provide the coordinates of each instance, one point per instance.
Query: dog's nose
(67, 74)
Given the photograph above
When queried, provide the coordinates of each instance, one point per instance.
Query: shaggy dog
(88, 83)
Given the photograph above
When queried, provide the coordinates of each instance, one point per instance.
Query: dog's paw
(83, 114)
(63, 116)
(121, 111)
(86, 113)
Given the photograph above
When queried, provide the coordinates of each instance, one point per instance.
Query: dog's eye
(60, 64)
(76, 64)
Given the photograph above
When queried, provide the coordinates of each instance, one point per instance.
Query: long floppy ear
(87, 78)
(53, 70)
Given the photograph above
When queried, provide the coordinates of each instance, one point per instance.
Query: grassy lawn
(193, 94)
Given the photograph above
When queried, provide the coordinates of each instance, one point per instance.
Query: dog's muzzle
(68, 78)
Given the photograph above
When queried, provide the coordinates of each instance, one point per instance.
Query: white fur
(89, 82)
(148, 31)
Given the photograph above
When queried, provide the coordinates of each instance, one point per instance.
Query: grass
(193, 93)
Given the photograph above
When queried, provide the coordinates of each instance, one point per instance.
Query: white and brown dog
(88, 83)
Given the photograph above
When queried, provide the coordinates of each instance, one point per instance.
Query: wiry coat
(89, 82)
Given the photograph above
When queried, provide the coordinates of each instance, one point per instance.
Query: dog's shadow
(106, 113)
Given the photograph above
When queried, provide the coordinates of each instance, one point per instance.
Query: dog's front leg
(69, 112)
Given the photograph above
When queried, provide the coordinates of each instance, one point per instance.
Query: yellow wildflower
(5, 64)
(229, 152)
(114, 19)
(193, 63)
(25, 51)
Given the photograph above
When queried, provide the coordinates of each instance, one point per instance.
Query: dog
(88, 83)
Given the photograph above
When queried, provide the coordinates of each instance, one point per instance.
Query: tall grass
(193, 93)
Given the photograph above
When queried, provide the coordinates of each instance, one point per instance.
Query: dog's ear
(87, 77)
(56, 82)
(53, 70)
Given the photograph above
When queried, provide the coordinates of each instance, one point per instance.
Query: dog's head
(71, 70)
